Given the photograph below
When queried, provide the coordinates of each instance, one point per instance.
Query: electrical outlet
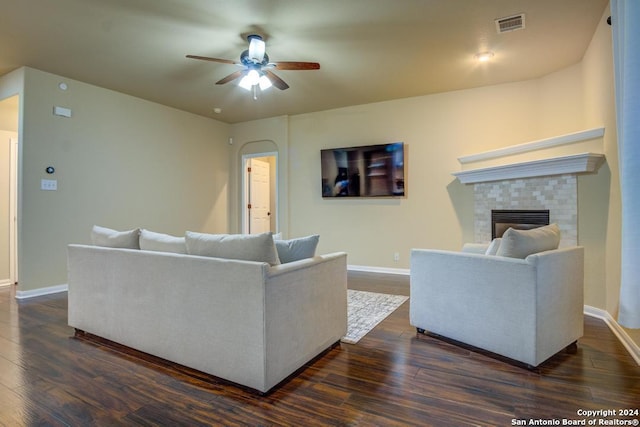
(396, 256)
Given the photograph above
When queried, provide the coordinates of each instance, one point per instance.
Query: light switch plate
(62, 111)
(49, 184)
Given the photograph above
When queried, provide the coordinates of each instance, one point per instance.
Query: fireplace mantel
(575, 163)
(555, 141)
(585, 162)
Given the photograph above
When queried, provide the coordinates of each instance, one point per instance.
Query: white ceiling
(369, 50)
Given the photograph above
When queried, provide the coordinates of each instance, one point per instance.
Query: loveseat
(247, 322)
(524, 308)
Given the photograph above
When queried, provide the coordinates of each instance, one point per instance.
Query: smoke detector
(510, 23)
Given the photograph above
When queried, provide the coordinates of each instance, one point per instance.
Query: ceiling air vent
(510, 23)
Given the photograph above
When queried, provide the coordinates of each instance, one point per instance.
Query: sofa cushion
(102, 236)
(152, 241)
(297, 249)
(493, 246)
(248, 247)
(522, 243)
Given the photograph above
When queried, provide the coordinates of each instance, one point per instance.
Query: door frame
(244, 218)
(13, 210)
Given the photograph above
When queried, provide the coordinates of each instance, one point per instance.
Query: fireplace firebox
(521, 219)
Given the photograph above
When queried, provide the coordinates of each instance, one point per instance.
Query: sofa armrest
(559, 298)
(305, 309)
(475, 248)
(278, 269)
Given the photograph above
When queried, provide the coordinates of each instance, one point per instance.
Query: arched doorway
(259, 187)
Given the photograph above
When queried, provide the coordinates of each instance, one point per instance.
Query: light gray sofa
(243, 321)
(523, 309)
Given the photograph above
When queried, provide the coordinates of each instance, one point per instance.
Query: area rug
(366, 310)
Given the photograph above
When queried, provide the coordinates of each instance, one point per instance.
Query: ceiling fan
(256, 69)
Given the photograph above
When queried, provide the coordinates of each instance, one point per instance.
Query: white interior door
(259, 210)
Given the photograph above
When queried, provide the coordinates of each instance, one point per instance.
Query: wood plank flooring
(390, 378)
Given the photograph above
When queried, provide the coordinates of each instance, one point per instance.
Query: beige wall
(120, 162)
(9, 114)
(437, 129)
(438, 210)
(599, 195)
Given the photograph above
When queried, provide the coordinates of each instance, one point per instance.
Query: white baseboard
(625, 339)
(6, 282)
(41, 291)
(383, 270)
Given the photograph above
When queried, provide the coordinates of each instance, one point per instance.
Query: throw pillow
(522, 243)
(159, 242)
(296, 249)
(102, 236)
(493, 246)
(248, 247)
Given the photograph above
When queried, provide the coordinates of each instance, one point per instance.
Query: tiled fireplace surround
(558, 194)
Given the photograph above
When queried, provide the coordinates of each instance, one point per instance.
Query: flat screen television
(365, 171)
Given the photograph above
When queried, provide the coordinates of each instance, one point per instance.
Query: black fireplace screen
(501, 220)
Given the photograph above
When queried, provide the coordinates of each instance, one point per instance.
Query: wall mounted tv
(365, 171)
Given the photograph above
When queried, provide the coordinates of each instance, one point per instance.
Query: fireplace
(557, 195)
(502, 219)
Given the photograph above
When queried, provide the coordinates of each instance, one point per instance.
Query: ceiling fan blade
(230, 77)
(293, 65)
(275, 80)
(206, 58)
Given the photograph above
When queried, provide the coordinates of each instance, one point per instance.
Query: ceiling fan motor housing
(246, 60)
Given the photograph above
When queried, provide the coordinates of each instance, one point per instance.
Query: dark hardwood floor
(390, 378)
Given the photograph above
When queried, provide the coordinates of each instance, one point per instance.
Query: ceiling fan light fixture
(245, 83)
(251, 79)
(484, 56)
(264, 82)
